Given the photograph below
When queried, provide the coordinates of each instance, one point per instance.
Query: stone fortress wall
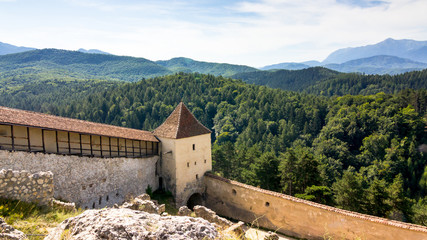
(297, 217)
(24, 186)
(90, 182)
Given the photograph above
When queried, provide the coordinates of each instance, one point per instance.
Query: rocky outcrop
(184, 211)
(238, 228)
(7, 232)
(144, 203)
(124, 223)
(211, 216)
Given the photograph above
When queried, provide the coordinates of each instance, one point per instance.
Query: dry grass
(31, 219)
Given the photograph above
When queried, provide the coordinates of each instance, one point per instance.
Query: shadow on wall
(194, 200)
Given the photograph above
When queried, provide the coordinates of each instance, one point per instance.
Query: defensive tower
(185, 155)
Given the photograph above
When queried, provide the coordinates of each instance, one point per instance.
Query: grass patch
(31, 218)
(165, 198)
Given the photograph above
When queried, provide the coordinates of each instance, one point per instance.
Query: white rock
(124, 223)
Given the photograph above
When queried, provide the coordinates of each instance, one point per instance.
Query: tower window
(194, 147)
(188, 164)
(197, 176)
(195, 163)
(205, 160)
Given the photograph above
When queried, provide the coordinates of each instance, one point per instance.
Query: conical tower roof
(181, 124)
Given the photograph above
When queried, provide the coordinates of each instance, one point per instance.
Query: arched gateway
(194, 200)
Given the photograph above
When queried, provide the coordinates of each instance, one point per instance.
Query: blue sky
(251, 32)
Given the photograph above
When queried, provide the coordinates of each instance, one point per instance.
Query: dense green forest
(361, 153)
(47, 93)
(293, 80)
(322, 81)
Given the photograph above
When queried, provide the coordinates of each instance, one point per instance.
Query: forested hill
(361, 153)
(322, 81)
(293, 80)
(188, 65)
(84, 65)
(63, 63)
(20, 68)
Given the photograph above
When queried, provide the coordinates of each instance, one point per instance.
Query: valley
(313, 133)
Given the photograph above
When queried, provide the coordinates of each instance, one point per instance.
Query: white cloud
(363, 3)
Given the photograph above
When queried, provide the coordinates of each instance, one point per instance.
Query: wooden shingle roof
(181, 124)
(13, 116)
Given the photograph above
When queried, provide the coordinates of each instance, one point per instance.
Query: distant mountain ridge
(293, 65)
(6, 48)
(286, 65)
(93, 51)
(381, 64)
(387, 57)
(400, 48)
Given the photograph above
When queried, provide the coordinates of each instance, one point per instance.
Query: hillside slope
(92, 64)
(188, 65)
(293, 80)
(323, 81)
(83, 64)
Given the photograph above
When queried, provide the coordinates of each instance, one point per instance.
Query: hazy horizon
(251, 32)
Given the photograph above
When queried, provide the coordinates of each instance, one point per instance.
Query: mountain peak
(390, 46)
(6, 48)
(93, 51)
(389, 40)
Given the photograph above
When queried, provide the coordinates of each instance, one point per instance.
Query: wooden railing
(23, 138)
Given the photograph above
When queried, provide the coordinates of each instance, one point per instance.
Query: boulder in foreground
(124, 223)
(7, 232)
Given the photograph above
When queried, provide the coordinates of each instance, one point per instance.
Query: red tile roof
(32, 119)
(181, 124)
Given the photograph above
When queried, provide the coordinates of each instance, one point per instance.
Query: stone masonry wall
(90, 182)
(300, 218)
(21, 185)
